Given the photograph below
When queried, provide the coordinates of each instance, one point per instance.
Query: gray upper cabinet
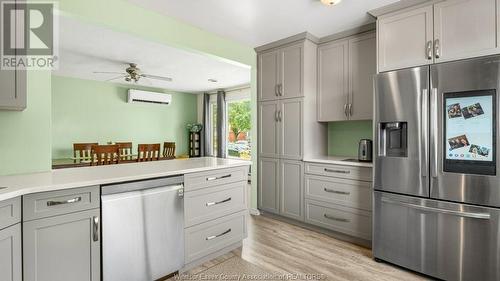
(61, 248)
(13, 90)
(10, 254)
(291, 68)
(448, 30)
(333, 81)
(464, 28)
(281, 73)
(268, 76)
(345, 74)
(362, 68)
(292, 189)
(268, 191)
(405, 39)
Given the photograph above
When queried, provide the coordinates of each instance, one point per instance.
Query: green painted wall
(344, 136)
(25, 135)
(93, 111)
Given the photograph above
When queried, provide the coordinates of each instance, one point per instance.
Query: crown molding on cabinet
(288, 40)
(350, 32)
(403, 4)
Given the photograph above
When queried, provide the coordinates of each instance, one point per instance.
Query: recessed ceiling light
(330, 2)
(212, 80)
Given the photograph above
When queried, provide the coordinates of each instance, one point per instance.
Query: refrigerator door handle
(424, 137)
(485, 216)
(434, 134)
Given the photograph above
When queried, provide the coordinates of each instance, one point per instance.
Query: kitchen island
(60, 237)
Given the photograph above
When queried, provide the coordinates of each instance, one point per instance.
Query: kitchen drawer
(350, 193)
(342, 219)
(204, 239)
(53, 203)
(214, 202)
(10, 212)
(216, 177)
(339, 171)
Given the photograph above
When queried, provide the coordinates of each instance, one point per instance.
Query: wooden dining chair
(82, 151)
(105, 154)
(169, 150)
(148, 152)
(125, 149)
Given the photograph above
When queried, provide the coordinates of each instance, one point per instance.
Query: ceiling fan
(133, 73)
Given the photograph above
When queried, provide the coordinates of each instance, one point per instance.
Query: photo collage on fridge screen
(469, 128)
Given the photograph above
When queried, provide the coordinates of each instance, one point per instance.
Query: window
(238, 124)
(238, 129)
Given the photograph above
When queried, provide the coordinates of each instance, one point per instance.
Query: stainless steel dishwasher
(142, 229)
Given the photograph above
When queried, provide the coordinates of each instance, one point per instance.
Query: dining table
(72, 162)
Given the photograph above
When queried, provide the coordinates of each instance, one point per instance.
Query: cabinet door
(268, 76)
(13, 89)
(464, 29)
(362, 68)
(333, 81)
(291, 71)
(61, 248)
(10, 253)
(405, 39)
(268, 191)
(268, 129)
(292, 189)
(291, 129)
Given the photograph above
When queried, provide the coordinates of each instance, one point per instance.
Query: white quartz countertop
(17, 185)
(338, 160)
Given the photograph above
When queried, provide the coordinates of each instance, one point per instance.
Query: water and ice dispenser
(393, 138)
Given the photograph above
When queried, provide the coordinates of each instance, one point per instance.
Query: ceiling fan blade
(168, 79)
(109, 72)
(121, 76)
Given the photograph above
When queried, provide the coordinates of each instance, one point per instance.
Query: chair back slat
(105, 155)
(148, 152)
(125, 150)
(169, 150)
(82, 151)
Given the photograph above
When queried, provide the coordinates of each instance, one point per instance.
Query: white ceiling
(258, 22)
(84, 49)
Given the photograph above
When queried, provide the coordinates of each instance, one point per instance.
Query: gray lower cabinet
(10, 253)
(292, 189)
(268, 193)
(61, 248)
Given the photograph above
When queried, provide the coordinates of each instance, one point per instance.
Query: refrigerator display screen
(470, 131)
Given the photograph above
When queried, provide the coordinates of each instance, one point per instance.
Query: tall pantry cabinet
(287, 125)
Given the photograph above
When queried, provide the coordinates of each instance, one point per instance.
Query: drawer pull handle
(218, 235)
(219, 202)
(69, 201)
(95, 229)
(336, 191)
(334, 218)
(337, 171)
(218, 178)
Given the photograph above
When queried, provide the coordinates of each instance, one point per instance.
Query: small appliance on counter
(365, 150)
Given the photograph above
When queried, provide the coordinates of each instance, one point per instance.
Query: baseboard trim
(254, 212)
(332, 233)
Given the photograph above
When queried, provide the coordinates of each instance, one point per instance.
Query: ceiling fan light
(330, 2)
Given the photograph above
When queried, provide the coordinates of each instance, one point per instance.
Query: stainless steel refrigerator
(436, 177)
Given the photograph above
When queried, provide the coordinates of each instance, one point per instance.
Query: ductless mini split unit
(135, 96)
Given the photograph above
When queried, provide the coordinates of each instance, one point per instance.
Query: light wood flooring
(276, 246)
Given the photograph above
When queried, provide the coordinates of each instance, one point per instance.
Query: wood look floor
(279, 247)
